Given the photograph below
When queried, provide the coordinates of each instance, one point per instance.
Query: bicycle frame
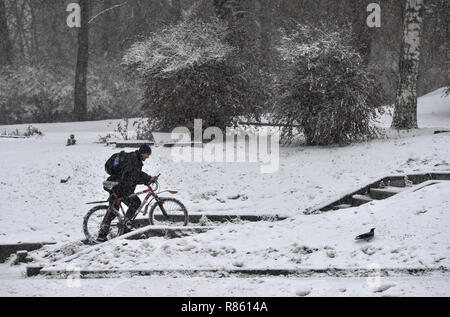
(118, 201)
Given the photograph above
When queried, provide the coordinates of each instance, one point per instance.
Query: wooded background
(34, 34)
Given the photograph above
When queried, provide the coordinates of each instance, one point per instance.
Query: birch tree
(405, 114)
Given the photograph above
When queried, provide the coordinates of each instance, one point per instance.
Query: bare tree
(80, 104)
(361, 32)
(106, 28)
(405, 114)
(5, 43)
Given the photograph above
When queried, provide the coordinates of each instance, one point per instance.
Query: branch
(106, 10)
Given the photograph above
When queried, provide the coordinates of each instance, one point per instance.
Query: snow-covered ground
(411, 228)
(431, 285)
(411, 232)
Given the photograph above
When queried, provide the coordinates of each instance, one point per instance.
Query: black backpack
(114, 164)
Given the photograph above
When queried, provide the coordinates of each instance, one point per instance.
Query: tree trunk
(34, 36)
(106, 28)
(80, 106)
(362, 34)
(5, 43)
(405, 114)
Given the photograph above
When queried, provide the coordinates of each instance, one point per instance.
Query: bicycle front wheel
(169, 212)
(94, 222)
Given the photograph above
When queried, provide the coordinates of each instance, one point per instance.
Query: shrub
(32, 131)
(190, 72)
(327, 92)
(143, 131)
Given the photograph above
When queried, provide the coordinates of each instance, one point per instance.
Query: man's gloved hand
(153, 179)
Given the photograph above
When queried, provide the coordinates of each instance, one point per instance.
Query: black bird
(366, 236)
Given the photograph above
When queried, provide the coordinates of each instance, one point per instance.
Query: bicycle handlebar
(156, 178)
(155, 182)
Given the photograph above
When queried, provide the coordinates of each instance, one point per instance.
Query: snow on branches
(191, 42)
(311, 43)
(326, 91)
(190, 71)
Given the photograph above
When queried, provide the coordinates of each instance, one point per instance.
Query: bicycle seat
(110, 185)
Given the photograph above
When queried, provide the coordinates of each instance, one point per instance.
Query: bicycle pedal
(129, 227)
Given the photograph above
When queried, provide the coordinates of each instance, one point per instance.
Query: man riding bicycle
(126, 170)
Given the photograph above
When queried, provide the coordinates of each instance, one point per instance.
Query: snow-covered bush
(143, 131)
(326, 91)
(32, 94)
(32, 131)
(190, 72)
(175, 48)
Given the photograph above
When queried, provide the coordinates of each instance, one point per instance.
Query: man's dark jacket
(131, 175)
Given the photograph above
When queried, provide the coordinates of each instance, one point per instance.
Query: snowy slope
(433, 111)
(37, 207)
(411, 228)
(411, 232)
(434, 104)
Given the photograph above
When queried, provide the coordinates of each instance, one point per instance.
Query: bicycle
(164, 211)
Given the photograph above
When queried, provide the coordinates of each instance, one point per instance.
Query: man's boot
(103, 234)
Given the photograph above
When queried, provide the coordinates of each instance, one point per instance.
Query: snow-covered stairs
(385, 192)
(215, 219)
(381, 189)
(198, 223)
(6, 250)
(359, 200)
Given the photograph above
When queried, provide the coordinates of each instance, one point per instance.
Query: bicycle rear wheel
(177, 215)
(93, 222)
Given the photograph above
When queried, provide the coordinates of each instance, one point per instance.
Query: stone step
(7, 249)
(195, 219)
(442, 176)
(33, 270)
(221, 272)
(22, 257)
(141, 233)
(393, 183)
(359, 200)
(168, 232)
(342, 206)
(386, 192)
(441, 131)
